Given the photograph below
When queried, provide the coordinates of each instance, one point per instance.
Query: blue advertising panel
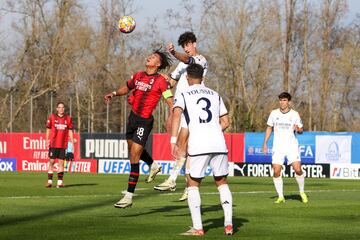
(338, 147)
(254, 143)
(355, 148)
(7, 164)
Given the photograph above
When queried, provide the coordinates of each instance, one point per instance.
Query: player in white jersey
(178, 77)
(285, 122)
(206, 118)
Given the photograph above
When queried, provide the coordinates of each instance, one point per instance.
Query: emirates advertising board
(28, 152)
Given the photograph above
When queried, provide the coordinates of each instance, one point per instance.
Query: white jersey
(179, 74)
(202, 108)
(283, 124)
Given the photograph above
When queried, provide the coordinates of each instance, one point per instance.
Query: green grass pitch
(84, 209)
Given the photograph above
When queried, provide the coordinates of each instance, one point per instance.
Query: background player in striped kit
(58, 132)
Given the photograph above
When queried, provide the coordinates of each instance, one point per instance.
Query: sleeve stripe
(191, 60)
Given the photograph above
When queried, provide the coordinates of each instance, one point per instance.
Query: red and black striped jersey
(146, 92)
(60, 127)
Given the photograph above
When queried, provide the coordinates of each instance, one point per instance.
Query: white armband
(173, 139)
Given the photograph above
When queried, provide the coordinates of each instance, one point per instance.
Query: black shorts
(138, 129)
(57, 153)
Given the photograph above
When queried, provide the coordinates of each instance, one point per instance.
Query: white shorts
(292, 154)
(218, 162)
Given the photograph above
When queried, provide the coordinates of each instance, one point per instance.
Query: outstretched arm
(179, 56)
(120, 92)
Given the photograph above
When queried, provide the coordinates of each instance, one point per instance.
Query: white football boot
(167, 185)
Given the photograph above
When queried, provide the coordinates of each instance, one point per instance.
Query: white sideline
(169, 194)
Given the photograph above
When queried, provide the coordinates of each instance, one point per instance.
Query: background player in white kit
(285, 122)
(178, 77)
(206, 118)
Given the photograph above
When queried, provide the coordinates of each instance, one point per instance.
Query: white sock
(226, 203)
(194, 202)
(154, 165)
(301, 181)
(179, 163)
(278, 182)
(129, 195)
(59, 182)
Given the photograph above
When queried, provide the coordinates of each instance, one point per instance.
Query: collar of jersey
(59, 116)
(285, 112)
(150, 74)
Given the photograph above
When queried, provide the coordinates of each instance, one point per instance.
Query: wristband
(114, 93)
(173, 139)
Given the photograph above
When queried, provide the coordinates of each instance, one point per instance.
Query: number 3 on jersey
(206, 109)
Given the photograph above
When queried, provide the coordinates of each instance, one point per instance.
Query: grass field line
(171, 193)
(263, 192)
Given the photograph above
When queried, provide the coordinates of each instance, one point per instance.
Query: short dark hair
(285, 95)
(61, 102)
(186, 37)
(195, 71)
(165, 58)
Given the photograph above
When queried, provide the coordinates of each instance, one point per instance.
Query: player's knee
(220, 180)
(277, 174)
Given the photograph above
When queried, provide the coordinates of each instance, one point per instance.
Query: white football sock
(129, 195)
(226, 203)
(194, 202)
(154, 165)
(59, 182)
(301, 181)
(278, 182)
(179, 163)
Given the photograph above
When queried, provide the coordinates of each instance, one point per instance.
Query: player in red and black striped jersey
(58, 132)
(146, 88)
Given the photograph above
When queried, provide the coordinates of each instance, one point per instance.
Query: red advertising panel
(82, 166)
(237, 147)
(234, 142)
(161, 147)
(31, 152)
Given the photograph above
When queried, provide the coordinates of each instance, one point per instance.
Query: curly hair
(186, 37)
(165, 59)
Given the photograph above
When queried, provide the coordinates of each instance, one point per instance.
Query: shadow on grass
(169, 209)
(289, 197)
(6, 221)
(219, 223)
(80, 185)
(164, 209)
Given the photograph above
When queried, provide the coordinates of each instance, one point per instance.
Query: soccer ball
(126, 24)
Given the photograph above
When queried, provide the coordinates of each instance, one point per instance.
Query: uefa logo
(333, 153)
